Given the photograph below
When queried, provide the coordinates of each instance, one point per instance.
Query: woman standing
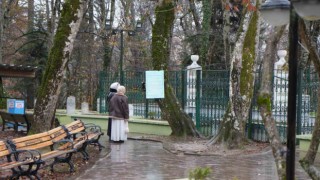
(113, 89)
(119, 110)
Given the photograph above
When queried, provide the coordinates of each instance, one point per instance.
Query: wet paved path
(148, 160)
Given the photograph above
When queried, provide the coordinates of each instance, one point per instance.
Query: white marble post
(280, 87)
(190, 106)
(280, 92)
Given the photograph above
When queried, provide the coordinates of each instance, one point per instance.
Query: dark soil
(199, 146)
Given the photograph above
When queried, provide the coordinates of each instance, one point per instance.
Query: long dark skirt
(109, 127)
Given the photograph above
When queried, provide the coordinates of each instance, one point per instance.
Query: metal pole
(299, 105)
(291, 116)
(121, 57)
(198, 94)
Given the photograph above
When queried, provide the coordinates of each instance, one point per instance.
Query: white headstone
(130, 109)
(84, 108)
(71, 105)
(98, 105)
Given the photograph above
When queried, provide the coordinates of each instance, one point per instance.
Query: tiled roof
(19, 71)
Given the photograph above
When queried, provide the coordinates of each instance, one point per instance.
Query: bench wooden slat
(36, 141)
(57, 134)
(34, 136)
(3, 149)
(75, 127)
(9, 165)
(2, 146)
(55, 153)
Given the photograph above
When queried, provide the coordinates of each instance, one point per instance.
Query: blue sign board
(15, 106)
(154, 84)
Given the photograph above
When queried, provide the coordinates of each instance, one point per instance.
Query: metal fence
(204, 95)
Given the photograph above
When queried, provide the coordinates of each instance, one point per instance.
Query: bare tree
(265, 100)
(47, 97)
(181, 124)
(232, 128)
(308, 161)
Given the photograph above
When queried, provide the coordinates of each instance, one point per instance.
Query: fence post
(183, 86)
(146, 112)
(299, 108)
(146, 115)
(102, 95)
(198, 96)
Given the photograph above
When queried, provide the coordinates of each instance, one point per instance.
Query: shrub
(199, 173)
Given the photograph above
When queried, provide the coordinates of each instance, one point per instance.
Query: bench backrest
(58, 133)
(35, 141)
(75, 127)
(4, 151)
(6, 116)
(20, 118)
(47, 139)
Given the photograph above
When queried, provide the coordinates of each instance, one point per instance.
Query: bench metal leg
(85, 154)
(3, 125)
(28, 172)
(96, 142)
(66, 159)
(83, 151)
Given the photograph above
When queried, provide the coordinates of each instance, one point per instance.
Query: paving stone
(136, 159)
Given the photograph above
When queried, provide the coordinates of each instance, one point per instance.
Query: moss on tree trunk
(48, 93)
(180, 123)
(232, 129)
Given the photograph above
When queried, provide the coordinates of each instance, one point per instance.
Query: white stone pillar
(191, 85)
(280, 86)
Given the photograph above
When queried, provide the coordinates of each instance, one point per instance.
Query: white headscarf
(114, 85)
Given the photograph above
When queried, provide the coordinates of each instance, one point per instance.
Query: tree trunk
(181, 124)
(265, 99)
(225, 35)
(30, 82)
(216, 51)
(205, 34)
(1, 31)
(232, 128)
(308, 161)
(107, 49)
(47, 97)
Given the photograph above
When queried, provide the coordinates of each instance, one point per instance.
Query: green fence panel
(212, 90)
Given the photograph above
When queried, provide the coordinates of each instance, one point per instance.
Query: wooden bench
(14, 163)
(59, 144)
(14, 121)
(93, 132)
(7, 120)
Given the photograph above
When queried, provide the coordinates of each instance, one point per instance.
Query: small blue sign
(15, 106)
